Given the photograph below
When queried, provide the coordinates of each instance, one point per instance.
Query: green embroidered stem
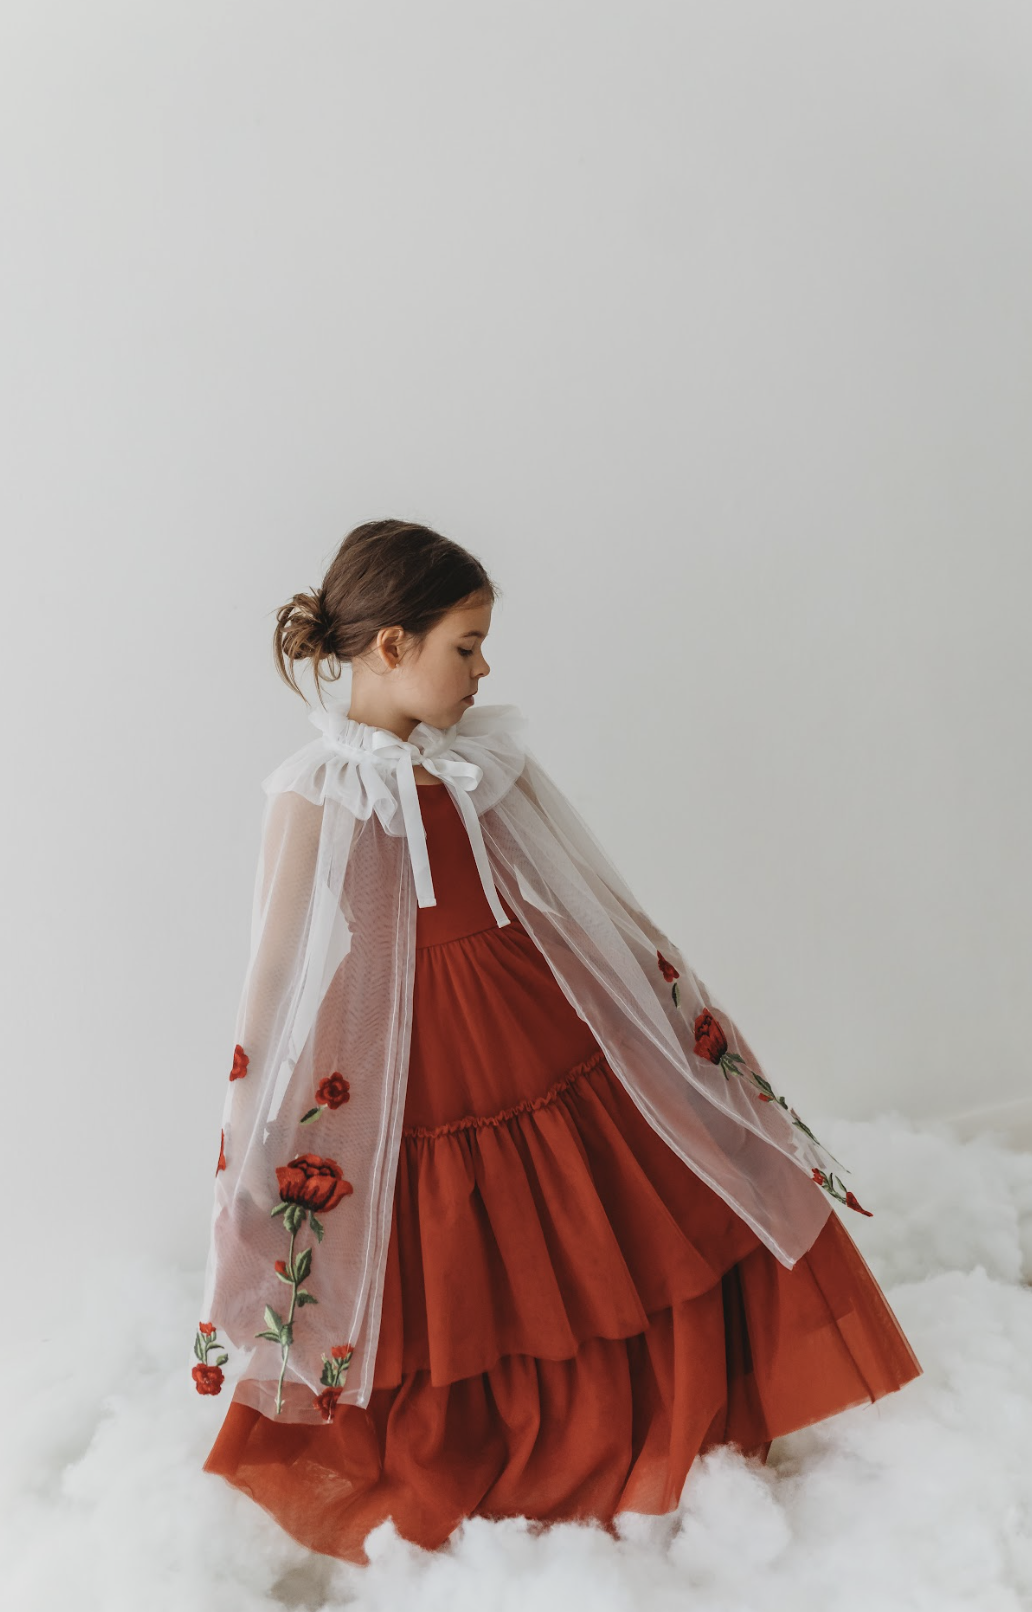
(287, 1335)
(293, 1271)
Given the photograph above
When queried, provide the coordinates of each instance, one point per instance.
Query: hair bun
(304, 628)
(322, 622)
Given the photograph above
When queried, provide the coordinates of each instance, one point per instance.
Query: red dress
(570, 1314)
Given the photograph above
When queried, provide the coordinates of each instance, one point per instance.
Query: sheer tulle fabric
(570, 1314)
(329, 988)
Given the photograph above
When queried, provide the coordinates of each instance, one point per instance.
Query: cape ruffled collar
(347, 733)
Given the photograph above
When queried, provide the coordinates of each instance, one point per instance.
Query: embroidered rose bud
(222, 1153)
(209, 1379)
(341, 1351)
(710, 1040)
(240, 1062)
(818, 1176)
(281, 1267)
(333, 1092)
(206, 1329)
(668, 970)
(327, 1402)
(851, 1203)
(764, 1096)
(312, 1182)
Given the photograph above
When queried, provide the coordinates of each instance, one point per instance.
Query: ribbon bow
(383, 752)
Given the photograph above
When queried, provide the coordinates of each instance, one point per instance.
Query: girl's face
(436, 685)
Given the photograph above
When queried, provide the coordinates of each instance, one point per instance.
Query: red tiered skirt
(570, 1315)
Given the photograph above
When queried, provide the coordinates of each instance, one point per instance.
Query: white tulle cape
(314, 1101)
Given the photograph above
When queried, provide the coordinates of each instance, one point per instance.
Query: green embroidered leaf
(220, 1360)
(280, 1209)
(273, 1337)
(313, 1113)
(273, 1320)
(327, 1374)
(303, 1264)
(304, 1297)
(676, 994)
(294, 1217)
(198, 1348)
(317, 1227)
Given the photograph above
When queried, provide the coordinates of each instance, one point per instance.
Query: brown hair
(385, 573)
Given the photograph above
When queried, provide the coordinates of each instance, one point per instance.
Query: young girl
(580, 1239)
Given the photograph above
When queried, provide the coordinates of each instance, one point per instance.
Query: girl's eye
(465, 652)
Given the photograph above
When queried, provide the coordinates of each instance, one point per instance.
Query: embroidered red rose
(206, 1329)
(710, 1040)
(240, 1062)
(327, 1402)
(333, 1091)
(668, 970)
(209, 1379)
(312, 1182)
(222, 1153)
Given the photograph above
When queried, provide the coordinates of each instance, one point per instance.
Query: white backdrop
(706, 327)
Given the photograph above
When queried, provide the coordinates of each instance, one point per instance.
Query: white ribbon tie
(460, 777)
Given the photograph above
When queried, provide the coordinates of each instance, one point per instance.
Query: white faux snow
(921, 1501)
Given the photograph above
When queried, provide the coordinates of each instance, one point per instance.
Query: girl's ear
(388, 646)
